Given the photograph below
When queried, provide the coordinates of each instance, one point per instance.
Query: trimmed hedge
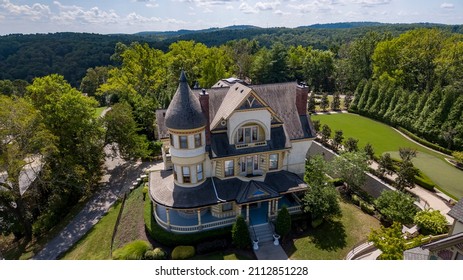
(424, 142)
(424, 183)
(183, 252)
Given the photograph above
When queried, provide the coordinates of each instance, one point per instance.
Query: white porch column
(168, 217)
(247, 213)
(269, 213)
(239, 211)
(199, 218)
(276, 206)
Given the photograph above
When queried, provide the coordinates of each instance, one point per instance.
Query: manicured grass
(95, 245)
(385, 139)
(99, 110)
(333, 240)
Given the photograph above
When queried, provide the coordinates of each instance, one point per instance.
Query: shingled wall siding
(373, 186)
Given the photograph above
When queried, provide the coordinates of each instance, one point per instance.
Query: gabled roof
(255, 190)
(457, 211)
(184, 111)
(281, 99)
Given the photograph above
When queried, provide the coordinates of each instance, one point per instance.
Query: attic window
(251, 100)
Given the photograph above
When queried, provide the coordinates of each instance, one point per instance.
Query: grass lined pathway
(385, 139)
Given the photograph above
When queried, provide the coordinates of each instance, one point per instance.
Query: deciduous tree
(396, 206)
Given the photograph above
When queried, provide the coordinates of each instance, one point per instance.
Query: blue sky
(131, 16)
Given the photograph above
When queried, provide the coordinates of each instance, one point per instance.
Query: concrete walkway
(268, 251)
(118, 178)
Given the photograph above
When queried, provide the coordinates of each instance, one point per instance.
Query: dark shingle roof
(184, 111)
(221, 147)
(165, 192)
(457, 211)
(281, 98)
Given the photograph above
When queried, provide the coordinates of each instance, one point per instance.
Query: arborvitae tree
(337, 139)
(358, 95)
(324, 102)
(326, 134)
(336, 103)
(433, 99)
(390, 109)
(240, 233)
(364, 97)
(283, 222)
(376, 106)
(311, 102)
(351, 144)
(388, 90)
(372, 96)
(348, 100)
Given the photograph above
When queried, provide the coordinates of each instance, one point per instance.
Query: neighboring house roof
(281, 99)
(445, 242)
(184, 111)
(227, 82)
(27, 175)
(457, 211)
(165, 192)
(416, 253)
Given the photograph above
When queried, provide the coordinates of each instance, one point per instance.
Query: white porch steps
(263, 231)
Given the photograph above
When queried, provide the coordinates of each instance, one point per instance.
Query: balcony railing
(249, 145)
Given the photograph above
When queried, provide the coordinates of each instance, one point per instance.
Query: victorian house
(234, 149)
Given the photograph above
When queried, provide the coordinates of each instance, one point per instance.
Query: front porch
(206, 218)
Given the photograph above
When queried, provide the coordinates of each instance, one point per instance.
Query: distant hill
(346, 24)
(71, 54)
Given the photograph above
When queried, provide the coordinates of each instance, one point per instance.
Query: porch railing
(295, 209)
(194, 228)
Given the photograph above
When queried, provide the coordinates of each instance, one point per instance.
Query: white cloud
(372, 3)
(136, 19)
(248, 9)
(266, 6)
(149, 3)
(35, 12)
(281, 13)
(229, 7)
(71, 14)
(317, 6)
(206, 3)
(447, 6)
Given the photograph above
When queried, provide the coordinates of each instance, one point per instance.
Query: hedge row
(424, 142)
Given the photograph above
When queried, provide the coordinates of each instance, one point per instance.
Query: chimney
(302, 92)
(204, 101)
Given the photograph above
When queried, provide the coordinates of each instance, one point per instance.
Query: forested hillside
(71, 54)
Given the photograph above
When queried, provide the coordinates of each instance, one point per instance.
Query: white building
(229, 151)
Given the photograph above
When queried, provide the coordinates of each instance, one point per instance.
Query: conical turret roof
(184, 111)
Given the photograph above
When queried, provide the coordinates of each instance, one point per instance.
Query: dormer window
(247, 134)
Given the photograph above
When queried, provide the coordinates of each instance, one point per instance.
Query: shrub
(211, 246)
(155, 254)
(431, 222)
(367, 207)
(240, 233)
(283, 222)
(317, 222)
(396, 206)
(134, 250)
(356, 200)
(183, 252)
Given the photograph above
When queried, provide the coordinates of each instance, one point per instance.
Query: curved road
(118, 178)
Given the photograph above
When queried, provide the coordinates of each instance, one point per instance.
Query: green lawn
(96, 244)
(385, 139)
(333, 240)
(99, 110)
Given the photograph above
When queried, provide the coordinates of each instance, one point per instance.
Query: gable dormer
(245, 116)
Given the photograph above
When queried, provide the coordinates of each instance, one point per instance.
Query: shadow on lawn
(330, 236)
